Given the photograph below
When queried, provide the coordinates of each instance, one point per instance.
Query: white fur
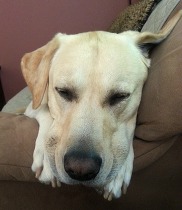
(94, 65)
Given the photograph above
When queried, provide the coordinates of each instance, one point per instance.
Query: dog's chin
(98, 182)
(91, 183)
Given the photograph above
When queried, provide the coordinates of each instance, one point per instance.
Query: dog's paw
(47, 175)
(42, 169)
(119, 185)
(113, 189)
(38, 158)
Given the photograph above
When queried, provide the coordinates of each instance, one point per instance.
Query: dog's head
(93, 83)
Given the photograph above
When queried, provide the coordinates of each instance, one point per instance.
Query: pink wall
(27, 25)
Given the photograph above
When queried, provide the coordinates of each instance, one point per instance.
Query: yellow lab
(86, 91)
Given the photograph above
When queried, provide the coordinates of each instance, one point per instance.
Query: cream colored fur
(96, 67)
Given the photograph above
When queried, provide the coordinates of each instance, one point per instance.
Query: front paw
(113, 188)
(37, 165)
(42, 169)
(119, 185)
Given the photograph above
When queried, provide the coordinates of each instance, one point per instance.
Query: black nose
(82, 166)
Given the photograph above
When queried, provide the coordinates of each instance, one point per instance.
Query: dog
(86, 90)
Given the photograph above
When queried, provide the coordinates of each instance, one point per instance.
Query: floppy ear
(35, 68)
(146, 39)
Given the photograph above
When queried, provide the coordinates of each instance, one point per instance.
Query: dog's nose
(82, 166)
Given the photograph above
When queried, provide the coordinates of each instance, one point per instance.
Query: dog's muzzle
(81, 165)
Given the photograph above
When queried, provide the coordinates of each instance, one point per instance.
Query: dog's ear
(145, 40)
(35, 68)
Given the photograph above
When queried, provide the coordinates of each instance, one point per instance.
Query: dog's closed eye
(117, 98)
(66, 93)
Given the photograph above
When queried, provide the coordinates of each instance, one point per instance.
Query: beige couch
(157, 180)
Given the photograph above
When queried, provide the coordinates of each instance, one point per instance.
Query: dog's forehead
(103, 56)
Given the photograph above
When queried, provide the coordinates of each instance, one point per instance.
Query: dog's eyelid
(117, 97)
(66, 93)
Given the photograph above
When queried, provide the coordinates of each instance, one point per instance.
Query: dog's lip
(95, 183)
(70, 181)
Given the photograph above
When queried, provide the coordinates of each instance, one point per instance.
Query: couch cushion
(19, 102)
(160, 113)
(158, 17)
(17, 139)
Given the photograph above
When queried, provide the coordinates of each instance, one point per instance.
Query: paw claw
(106, 194)
(58, 183)
(110, 197)
(38, 172)
(53, 182)
(124, 188)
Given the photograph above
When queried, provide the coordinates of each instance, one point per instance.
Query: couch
(157, 179)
